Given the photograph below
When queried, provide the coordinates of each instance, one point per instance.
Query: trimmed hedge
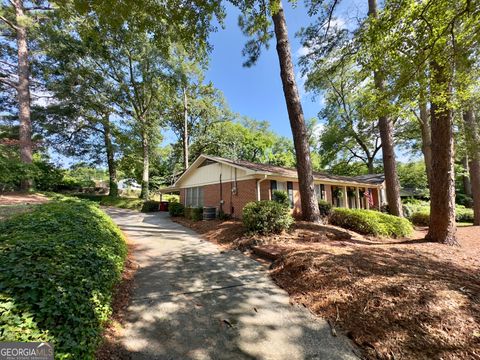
(464, 214)
(420, 215)
(420, 218)
(266, 216)
(58, 268)
(176, 209)
(150, 206)
(370, 222)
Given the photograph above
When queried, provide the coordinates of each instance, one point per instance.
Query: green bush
(176, 209)
(222, 215)
(463, 214)
(151, 206)
(421, 215)
(193, 213)
(281, 197)
(463, 199)
(370, 222)
(420, 218)
(265, 217)
(58, 267)
(325, 208)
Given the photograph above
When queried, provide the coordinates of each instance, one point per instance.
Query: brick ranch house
(228, 185)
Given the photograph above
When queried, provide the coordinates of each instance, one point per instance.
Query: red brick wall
(233, 203)
(375, 198)
(297, 203)
(265, 193)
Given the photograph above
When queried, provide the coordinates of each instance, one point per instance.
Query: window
(273, 185)
(290, 193)
(320, 191)
(194, 197)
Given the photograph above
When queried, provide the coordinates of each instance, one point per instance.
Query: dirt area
(396, 299)
(109, 349)
(22, 199)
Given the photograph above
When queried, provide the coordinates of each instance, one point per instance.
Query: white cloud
(302, 51)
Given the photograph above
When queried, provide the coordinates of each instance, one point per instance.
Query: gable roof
(273, 170)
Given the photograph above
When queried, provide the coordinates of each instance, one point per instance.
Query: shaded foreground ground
(191, 300)
(397, 299)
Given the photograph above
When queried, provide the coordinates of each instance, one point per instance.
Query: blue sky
(257, 91)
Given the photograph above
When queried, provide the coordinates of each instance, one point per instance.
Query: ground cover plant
(122, 202)
(58, 267)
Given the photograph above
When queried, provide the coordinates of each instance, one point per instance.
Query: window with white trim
(320, 191)
(194, 197)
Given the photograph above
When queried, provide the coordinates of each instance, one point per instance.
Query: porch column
(345, 197)
(379, 198)
(367, 203)
(357, 197)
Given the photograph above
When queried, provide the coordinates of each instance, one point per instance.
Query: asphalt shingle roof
(290, 172)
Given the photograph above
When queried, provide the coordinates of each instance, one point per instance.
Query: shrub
(150, 206)
(281, 197)
(463, 214)
(463, 199)
(370, 222)
(194, 213)
(58, 268)
(325, 208)
(176, 209)
(420, 218)
(222, 215)
(265, 217)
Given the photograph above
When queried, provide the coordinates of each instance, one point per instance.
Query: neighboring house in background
(229, 185)
(129, 184)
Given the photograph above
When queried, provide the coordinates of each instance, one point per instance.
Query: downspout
(258, 186)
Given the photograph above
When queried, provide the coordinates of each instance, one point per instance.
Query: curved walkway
(194, 301)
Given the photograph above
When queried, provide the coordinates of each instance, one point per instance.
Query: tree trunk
(145, 173)
(371, 169)
(426, 138)
(112, 168)
(467, 185)
(185, 129)
(473, 140)
(308, 198)
(442, 185)
(23, 91)
(386, 136)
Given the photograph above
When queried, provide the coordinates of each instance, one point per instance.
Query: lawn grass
(59, 264)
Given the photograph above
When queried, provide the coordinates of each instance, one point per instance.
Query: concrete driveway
(194, 301)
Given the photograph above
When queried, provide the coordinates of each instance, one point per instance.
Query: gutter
(258, 186)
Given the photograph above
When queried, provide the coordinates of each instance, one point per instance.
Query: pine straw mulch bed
(19, 198)
(396, 299)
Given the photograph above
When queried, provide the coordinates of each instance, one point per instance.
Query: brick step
(269, 252)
